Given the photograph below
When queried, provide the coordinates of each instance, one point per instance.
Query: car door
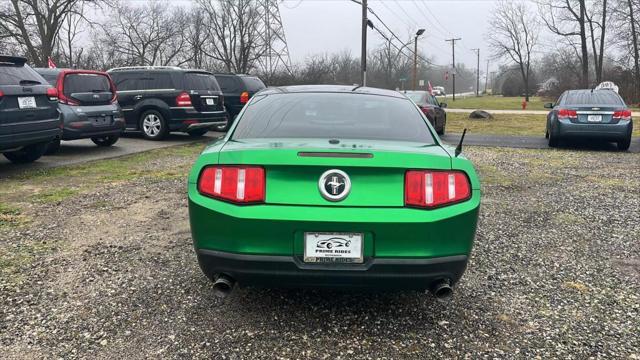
(126, 83)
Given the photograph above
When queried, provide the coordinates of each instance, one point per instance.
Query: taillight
(184, 99)
(429, 188)
(1, 94)
(52, 93)
(566, 114)
(244, 97)
(622, 115)
(238, 184)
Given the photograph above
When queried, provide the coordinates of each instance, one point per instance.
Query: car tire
(624, 145)
(198, 132)
(227, 126)
(105, 141)
(52, 147)
(553, 139)
(27, 154)
(153, 125)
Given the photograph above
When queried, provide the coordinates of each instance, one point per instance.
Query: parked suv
(158, 99)
(88, 105)
(29, 117)
(237, 90)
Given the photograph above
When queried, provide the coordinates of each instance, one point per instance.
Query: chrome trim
(148, 90)
(594, 112)
(182, 107)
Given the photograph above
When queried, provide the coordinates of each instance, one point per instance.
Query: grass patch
(495, 103)
(54, 195)
(10, 216)
(15, 258)
(501, 124)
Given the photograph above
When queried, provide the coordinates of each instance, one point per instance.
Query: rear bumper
(86, 130)
(18, 140)
(186, 119)
(619, 131)
(291, 271)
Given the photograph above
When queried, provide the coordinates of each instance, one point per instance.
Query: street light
(415, 57)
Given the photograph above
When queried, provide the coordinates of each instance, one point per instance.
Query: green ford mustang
(333, 186)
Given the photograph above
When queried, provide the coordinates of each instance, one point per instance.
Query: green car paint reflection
(263, 209)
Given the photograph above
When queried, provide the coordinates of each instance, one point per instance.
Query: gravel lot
(108, 271)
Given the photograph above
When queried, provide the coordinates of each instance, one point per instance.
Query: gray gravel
(555, 273)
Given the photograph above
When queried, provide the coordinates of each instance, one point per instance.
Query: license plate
(333, 247)
(594, 118)
(101, 120)
(210, 101)
(27, 102)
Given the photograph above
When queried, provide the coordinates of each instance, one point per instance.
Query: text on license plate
(594, 118)
(325, 247)
(28, 102)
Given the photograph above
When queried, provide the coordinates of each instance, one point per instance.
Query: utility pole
(363, 56)
(453, 52)
(415, 57)
(486, 77)
(477, 72)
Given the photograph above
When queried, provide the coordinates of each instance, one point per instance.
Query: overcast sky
(317, 26)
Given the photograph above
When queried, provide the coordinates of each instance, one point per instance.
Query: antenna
(276, 52)
(459, 147)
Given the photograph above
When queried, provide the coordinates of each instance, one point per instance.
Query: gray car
(592, 114)
(88, 105)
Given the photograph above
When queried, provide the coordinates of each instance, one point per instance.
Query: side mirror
(548, 106)
(443, 105)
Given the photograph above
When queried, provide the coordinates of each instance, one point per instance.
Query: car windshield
(85, 83)
(333, 115)
(591, 98)
(11, 74)
(201, 81)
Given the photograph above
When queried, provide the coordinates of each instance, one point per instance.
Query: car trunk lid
(376, 170)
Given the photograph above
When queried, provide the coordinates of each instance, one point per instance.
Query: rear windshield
(597, 97)
(51, 78)
(228, 84)
(253, 84)
(333, 115)
(415, 96)
(86, 83)
(11, 74)
(200, 81)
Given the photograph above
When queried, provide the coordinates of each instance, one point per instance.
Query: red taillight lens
(244, 97)
(52, 93)
(427, 188)
(184, 99)
(1, 94)
(238, 184)
(622, 115)
(566, 113)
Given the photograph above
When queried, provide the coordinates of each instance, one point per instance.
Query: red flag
(51, 64)
(430, 88)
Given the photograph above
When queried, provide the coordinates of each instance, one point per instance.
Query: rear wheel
(444, 124)
(553, 139)
(52, 147)
(105, 140)
(153, 125)
(624, 145)
(27, 154)
(198, 132)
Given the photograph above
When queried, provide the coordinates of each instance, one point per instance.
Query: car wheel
(624, 145)
(105, 140)
(153, 125)
(52, 147)
(27, 154)
(553, 139)
(197, 133)
(546, 134)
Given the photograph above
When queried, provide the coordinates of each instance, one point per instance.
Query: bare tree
(34, 25)
(598, 24)
(514, 36)
(233, 26)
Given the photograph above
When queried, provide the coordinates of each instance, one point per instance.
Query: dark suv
(237, 90)
(88, 105)
(160, 99)
(29, 117)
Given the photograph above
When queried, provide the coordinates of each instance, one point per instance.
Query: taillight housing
(52, 94)
(184, 99)
(567, 114)
(244, 97)
(622, 115)
(1, 94)
(435, 188)
(233, 183)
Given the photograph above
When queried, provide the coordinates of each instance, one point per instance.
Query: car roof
(301, 89)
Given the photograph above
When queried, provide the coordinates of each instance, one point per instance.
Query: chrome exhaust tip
(223, 285)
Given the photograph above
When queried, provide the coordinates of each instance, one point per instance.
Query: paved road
(79, 151)
(533, 142)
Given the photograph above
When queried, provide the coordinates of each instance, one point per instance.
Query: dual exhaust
(224, 284)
